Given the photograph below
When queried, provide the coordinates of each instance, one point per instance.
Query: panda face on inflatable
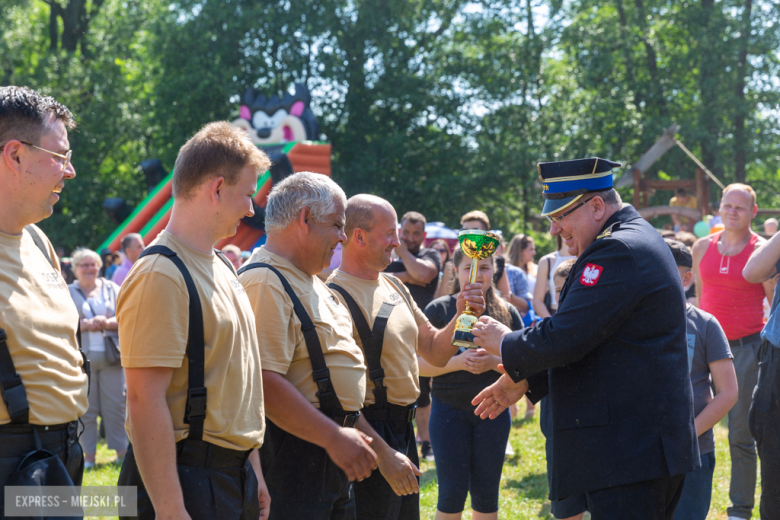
(278, 120)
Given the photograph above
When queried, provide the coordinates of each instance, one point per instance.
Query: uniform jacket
(620, 392)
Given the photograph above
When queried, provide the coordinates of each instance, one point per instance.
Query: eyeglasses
(553, 220)
(67, 156)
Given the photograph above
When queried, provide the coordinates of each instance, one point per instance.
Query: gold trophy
(477, 245)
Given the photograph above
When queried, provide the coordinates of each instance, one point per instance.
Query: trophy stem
(472, 279)
(477, 245)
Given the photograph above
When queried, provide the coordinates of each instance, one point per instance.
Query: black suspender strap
(329, 401)
(395, 282)
(38, 242)
(195, 412)
(85, 362)
(222, 257)
(14, 394)
(373, 340)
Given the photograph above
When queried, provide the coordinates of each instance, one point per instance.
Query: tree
(75, 16)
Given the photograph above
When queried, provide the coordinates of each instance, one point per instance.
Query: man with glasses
(44, 386)
(613, 359)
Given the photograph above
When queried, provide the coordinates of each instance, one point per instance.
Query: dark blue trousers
(469, 457)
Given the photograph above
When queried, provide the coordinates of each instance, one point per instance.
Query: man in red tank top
(718, 261)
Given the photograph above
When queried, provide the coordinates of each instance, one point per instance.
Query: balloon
(701, 229)
(716, 228)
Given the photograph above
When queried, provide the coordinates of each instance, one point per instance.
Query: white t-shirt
(95, 339)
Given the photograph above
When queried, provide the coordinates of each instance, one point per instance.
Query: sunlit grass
(523, 492)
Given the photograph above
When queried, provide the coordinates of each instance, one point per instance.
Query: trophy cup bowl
(477, 245)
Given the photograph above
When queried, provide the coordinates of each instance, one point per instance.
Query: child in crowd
(710, 363)
(573, 507)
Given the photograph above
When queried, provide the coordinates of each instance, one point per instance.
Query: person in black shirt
(469, 452)
(418, 268)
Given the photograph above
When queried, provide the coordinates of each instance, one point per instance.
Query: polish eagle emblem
(591, 274)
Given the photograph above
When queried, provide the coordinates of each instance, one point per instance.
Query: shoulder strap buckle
(322, 379)
(15, 398)
(196, 403)
(377, 376)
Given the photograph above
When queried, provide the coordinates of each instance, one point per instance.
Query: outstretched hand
(488, 334)
(499, 396)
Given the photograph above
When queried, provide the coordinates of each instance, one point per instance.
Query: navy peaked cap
(564, 182)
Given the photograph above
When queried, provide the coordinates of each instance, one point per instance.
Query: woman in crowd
(521, 253)
(469, 451)
(545, 301)
(95, 299)
(445, 275)
(107, 264)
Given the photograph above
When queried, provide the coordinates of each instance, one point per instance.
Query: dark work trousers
(649, 500)
(374, 498)
(765, 427)
(16, 441)
(304, 483)
(216, 482)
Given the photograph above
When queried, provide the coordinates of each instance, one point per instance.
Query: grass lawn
(523, 483)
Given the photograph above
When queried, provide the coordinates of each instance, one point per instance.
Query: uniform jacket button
(577, 422)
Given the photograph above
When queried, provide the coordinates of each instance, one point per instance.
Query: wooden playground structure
(698, 186)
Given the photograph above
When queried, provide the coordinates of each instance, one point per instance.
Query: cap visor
(555, 205)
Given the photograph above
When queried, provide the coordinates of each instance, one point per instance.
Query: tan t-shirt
(399, 348)
(40, 319)
(282, 346)
(153, 314)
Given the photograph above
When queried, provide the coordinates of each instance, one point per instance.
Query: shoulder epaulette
(608, 232)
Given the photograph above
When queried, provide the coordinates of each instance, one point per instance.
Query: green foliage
(441, 106)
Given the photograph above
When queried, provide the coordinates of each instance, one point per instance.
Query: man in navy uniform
(613, 358)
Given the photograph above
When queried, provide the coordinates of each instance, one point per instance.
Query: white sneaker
(509, 449)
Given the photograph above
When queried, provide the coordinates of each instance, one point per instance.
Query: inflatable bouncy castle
(284, 128)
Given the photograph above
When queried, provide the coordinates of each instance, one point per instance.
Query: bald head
(363, 210)
(372, 234)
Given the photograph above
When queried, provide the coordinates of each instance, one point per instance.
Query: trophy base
(464, 339)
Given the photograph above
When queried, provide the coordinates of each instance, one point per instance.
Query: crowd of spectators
(131, 320)
(530, 290)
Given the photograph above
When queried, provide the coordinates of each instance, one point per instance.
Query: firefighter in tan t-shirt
(385, 305)
(36, 311)
(205, 466)
(311, 451)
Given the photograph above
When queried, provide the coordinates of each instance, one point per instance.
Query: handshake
(493, 400)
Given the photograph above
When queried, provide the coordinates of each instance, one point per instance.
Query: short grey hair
(84, 253)
(129, 239)
(302, 190)
(610, 197)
